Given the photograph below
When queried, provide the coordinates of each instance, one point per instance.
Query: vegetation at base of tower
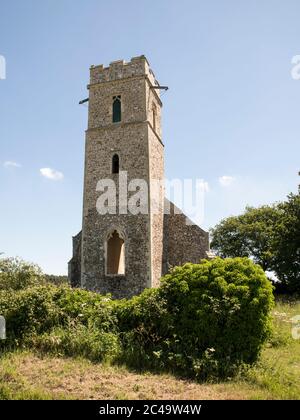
(268, 234)
(206, 320)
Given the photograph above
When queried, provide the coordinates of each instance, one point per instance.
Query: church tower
(127, 244)
(121, 253)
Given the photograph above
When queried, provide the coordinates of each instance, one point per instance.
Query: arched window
(115, 258)
(116, 109)
(115, 164)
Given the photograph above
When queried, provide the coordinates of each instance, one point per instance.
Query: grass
(278, 371)
(27, 375)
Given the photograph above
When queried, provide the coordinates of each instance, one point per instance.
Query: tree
(270, 235)
(248, 235)
(287, 244)
(16, 274)
(56, 280)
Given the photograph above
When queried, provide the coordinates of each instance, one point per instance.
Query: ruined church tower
(122, 253)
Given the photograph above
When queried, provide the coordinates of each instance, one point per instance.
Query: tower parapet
(120, 69)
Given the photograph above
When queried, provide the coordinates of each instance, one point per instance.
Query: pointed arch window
(115, 164)
(116, 109)
(115, 258)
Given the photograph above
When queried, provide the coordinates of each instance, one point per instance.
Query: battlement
(120, 69)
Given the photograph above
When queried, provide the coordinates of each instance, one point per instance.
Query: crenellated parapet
(137, 66)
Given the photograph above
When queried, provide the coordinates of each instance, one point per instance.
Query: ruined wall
(182, 243)
(74, 265)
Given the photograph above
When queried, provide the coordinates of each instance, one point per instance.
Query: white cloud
(11, 164)
(51, 174)
(226, 180)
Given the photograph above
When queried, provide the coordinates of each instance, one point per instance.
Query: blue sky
(232, 109)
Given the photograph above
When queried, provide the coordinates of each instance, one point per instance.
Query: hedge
(205, 320)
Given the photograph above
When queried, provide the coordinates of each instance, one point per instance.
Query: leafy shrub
(142, 322)
(29, 311)
(39, 309)
(79, 340)
(206, 319)
(88, 307)
(16, 274)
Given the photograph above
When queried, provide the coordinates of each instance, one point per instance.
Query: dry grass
(26, 374)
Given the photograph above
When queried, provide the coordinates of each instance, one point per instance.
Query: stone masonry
(150, 243)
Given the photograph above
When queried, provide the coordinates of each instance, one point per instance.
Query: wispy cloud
(11, 164)
(226, 180)
(51, 174)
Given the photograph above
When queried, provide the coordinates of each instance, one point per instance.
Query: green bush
(16, 274)
(87, 307)
(205, 320)
(79, 340)
(142, 321)
(30, 311)
(38, 309)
